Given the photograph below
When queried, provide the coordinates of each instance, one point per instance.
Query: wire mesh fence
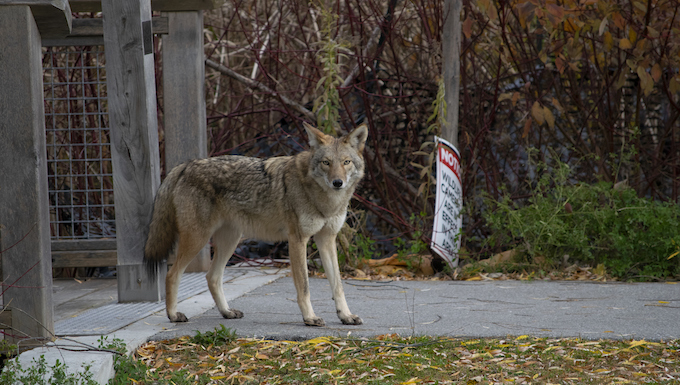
(80, 177)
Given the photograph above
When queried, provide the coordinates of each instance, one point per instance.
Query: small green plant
(359, 249)
(633, 237)
(116, 344)
(327, 104)
(411, 251)
(39, 373)
(220, 336)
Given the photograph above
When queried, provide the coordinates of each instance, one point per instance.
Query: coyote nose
(337, 183)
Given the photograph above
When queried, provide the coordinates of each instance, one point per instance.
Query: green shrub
(635, 238)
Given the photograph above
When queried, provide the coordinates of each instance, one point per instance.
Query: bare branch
(259, 86)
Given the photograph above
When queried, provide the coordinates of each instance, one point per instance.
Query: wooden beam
(84, 258)
(24, 211)
(84, 253)
(156, 5)
(91, 32)
(95, 26)
(53, 17)
(85, 244)
(134, 139)
(186, 134)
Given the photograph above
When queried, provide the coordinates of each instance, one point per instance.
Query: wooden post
(451, 67)
(24, 211)
(128, 41)
(186, 135)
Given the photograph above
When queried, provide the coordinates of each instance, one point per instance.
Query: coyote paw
(232, 314)
(316, 321)
(351, 320)
(179, 317)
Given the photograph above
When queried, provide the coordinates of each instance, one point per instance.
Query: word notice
(448, 219)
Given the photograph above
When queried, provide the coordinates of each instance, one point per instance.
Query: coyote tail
(163, 230)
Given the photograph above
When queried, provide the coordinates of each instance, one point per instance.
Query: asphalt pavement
(588, 310)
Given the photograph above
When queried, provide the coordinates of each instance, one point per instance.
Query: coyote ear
(316, 137)
(357, 138)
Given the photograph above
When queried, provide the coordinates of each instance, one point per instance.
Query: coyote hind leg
(225, 240)
(188, 247)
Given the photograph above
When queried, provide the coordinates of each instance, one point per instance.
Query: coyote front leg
(325, 242)
(298, 264)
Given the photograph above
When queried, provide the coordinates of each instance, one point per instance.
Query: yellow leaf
(674, 85)
(646, 81)
(632, 35)
(318, 341)
(673, 255)
(505, 96)
(600, 269)
(634, 343)
(478, 278)
(413, 380)
(522, 337)
(664, 302)
(608, 41)
(549, 117)
(625, 44)
(537, 113)
(556, 104)
(672, 283)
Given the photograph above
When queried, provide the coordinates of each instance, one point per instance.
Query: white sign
(448, 218)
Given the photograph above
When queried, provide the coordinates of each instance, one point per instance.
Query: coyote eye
(326, 163)
(347, 162)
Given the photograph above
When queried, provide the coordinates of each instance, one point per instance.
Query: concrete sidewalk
(588, 310)
(78, 351)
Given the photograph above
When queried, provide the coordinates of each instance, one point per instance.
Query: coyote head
(337, 163)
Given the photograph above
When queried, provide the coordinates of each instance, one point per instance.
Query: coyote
(281, 198)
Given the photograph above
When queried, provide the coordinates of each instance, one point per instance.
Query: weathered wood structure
(24, 218)
(126, 30)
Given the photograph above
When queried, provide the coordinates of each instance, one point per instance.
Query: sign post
(448, 219)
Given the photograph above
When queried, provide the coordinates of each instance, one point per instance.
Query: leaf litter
(391, 359)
